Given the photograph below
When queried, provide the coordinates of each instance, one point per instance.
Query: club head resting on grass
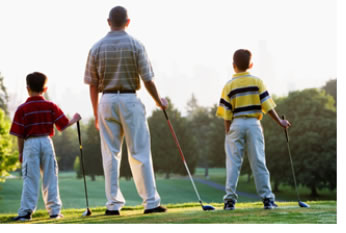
(87, 212)
(208, 207)
(303, 205)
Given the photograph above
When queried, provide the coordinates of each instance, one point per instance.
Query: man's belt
(119, 92)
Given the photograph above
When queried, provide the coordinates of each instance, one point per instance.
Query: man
(114, 67)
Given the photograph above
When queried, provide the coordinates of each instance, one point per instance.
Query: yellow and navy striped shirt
(244, 96)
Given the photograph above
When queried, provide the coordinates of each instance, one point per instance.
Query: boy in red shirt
(33, 124)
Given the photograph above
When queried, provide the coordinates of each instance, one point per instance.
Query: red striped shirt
(36, 117)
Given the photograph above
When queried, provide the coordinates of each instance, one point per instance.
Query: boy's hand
(77, 117)
(285, 124)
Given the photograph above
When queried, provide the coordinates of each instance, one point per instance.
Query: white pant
(246, 134)
(39, 157)
(119, 115)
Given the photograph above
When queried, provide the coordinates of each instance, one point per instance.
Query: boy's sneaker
(56, 216)
(229, 205)
(112, 212)
(269, 204)
(26, 217)
(158, 209)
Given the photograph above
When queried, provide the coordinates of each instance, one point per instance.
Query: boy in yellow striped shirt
(243, 101)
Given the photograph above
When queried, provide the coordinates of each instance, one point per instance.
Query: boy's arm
(281, 122)
(20, 142)
(227, 125)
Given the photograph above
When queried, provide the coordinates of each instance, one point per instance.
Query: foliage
(66, 148)
(3, 95)
(8, 159)
(92, 150)
(331, 89)
(312, 140)
(166, 157)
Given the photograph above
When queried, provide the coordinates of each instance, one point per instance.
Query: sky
(190, 44)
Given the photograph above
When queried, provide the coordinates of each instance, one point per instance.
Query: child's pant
(246, 134)
(124, 115)
(39, 158)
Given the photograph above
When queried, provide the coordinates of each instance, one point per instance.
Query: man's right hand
(164, 103)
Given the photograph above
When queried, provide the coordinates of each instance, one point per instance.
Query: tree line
(312, 113)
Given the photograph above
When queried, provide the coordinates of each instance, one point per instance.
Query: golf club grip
(79, 137)
(286, 130)
(164, 112)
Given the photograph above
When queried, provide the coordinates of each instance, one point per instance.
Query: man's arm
(94, 97)
(281, 122)
(20, 142)
(151, 88)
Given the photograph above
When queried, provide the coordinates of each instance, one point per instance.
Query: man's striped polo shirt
(244, 96)
(36, 117)
(117, 62)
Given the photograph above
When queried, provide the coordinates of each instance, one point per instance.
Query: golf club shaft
(291, 160)
(182, 156)
(82, 164)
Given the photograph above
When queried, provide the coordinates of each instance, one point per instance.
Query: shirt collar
(241, 74)
(35, 98)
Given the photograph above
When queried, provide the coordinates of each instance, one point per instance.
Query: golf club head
(87, 212)
(303, 205)
(208, 207)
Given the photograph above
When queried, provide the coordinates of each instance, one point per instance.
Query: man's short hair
(242, 59)
(118, 16)
(36, 81)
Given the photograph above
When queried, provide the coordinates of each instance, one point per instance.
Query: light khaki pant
(39, 158)
(246, 134)
(124, 115)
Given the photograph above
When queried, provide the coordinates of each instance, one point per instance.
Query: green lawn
(286, 192)
(323, 212)
(174, 193)
(174, 190)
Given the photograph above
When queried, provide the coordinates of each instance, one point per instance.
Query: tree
(66, 148)
(8, 159)
(92, 151)
(3, 96)
(331, 89)
(312, 140)
(199, 120)
(166, 158)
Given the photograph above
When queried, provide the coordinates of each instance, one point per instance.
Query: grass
(174, 190)
(323, 212)
(285, 192)
(177, 194)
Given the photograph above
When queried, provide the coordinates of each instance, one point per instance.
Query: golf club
(300, 203)
(204, 207)
(87, 212)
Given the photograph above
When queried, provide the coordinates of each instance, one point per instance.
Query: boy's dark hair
(118, 16)
(242, 59)
(36, 81)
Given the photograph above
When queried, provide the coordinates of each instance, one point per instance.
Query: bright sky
(190, 44)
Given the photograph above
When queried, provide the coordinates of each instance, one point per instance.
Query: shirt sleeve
(91, 76)
(267, 102)
(225, 110)
(17, 127)
(59, 118)
(145, 68)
